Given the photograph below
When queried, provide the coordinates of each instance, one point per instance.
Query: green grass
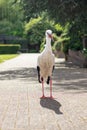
(4, 57)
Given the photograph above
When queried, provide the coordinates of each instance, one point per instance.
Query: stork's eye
(48, 33)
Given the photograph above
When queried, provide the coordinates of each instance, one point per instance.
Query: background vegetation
(9, 48)
(30, 18)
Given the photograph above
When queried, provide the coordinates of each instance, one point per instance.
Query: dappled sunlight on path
(21, 107)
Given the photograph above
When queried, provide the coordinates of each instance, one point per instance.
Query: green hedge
(9, 48)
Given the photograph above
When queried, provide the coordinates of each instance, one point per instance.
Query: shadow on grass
(51, 104)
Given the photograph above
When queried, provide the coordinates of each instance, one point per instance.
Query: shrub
(57, 46)
(9, 48)
(55, 38)
(59, 29)
(62, 43)
(35, 30)
(65, 45)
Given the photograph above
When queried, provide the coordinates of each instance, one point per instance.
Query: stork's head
(49, 34)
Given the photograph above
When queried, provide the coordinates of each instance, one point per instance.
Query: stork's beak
(51, 36)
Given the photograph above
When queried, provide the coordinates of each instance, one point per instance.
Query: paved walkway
(21, 107)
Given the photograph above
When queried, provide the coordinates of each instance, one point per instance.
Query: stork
(45, 64)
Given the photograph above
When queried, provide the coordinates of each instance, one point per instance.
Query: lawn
(4, 57)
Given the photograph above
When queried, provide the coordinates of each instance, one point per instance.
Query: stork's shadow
(51, 104)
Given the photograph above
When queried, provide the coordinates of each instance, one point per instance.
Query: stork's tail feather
(53, 68)
(48, 79)
(39, 78)
(38, 70)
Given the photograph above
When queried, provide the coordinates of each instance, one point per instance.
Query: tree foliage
(63, 10)
(11, 18)
(37, 14)
(35, 29)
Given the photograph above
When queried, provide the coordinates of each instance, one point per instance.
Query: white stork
(45, 64)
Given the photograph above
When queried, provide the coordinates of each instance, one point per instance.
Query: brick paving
(21, 107)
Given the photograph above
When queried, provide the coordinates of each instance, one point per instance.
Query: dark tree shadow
(21, 74)
(51, 104)
(68, 77)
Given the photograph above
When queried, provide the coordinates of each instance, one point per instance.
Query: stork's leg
(51, 88)
(43, 96)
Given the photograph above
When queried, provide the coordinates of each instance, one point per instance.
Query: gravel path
(21, 107)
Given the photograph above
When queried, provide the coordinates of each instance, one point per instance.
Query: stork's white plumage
(45, 63)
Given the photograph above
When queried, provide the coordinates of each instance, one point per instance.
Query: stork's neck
(48, 44)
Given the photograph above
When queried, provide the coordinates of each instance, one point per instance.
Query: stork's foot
(43, 97)
(51, 97)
